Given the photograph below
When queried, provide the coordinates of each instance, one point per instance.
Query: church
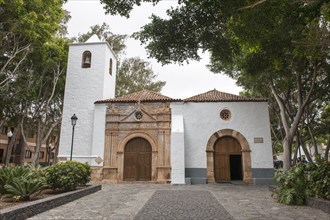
(148, 137)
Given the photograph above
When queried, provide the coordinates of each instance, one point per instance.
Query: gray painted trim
(263, 176)
(262, 172)
(196, 172)
(196, 175)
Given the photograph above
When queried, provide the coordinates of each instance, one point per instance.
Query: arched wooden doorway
(227, 160)
(137, 160)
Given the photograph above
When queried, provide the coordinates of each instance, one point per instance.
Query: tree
(276, 44)
(26, 29)
(21, 24)
(43, 110)
(133, 74)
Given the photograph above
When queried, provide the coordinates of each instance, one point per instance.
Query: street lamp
(73, 122)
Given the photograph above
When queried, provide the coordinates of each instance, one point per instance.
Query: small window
(110, 67)
(41, 154)
(28, 154)
(86, 59)
(225, 114)
(138, 115)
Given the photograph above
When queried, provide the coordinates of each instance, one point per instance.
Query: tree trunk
(295, 155)
(11, 144)
(287, 143)
(35, 154)
(327, 149)
(303, 145)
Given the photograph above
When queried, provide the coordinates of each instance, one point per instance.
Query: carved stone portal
(126, 121)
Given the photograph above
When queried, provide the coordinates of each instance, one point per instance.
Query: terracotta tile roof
(217, 96)
(142, 96)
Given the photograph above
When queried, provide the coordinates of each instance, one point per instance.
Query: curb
(32, 208)
(320, 204)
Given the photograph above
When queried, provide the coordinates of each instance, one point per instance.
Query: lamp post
(73, 122)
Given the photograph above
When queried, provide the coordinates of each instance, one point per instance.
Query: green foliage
(116, 41)
(68, 175)
(302, 181)
(123, 7)
(23, 187)
(293, 187)
(320, 179)
(32, 64)
(8, 174)
(134, 75)
(21, 182)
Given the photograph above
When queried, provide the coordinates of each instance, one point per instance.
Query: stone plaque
(98, 160)
(258, 140)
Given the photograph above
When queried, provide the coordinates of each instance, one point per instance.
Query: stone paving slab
(124, 201)
(182, 204)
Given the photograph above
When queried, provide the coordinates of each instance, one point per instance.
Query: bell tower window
(86, 59)
(110, 67)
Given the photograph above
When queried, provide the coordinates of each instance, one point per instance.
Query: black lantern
(73, 122)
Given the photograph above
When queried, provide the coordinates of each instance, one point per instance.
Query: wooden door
(223, 148)
(137, 160)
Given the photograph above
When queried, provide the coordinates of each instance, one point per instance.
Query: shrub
(302, 181)
(319, 179)
(7, 175)
(68, 175)
(21, 182)
(292, 185)
(23, 187)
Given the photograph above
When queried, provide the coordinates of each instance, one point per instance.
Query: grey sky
(181, 81)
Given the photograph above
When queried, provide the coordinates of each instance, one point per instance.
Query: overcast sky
(181, 81)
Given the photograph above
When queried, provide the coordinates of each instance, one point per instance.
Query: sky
(182, 81)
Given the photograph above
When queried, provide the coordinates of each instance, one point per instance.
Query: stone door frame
(246, 154)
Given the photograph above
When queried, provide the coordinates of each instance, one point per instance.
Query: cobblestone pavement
(182, 204)
(124, 201)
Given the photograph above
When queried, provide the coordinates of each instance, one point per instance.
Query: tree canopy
(135, 75)
(22, 24)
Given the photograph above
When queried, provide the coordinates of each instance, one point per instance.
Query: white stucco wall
(251, 119)
(98, 133)
(177, 146)
(83, 87)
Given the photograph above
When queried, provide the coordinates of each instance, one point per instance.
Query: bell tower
(91, 76)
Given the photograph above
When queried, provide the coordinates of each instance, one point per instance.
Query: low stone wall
(32, 208)
(321, 204)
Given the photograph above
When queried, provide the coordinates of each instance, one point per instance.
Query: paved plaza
(160, 201)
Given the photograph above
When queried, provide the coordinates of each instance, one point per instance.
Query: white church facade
(145, 136)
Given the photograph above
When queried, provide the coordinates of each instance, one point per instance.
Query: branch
(312, 87)
(50, 130)
(23, 135)
(252, 5)
(282, 108)
(16, 51)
